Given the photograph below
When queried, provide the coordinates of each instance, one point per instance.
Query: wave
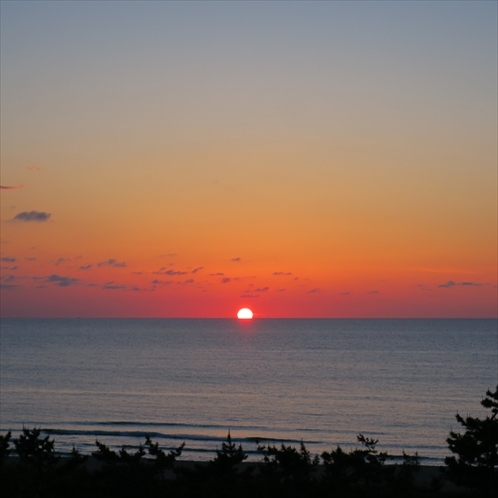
(160, 435)
(165, 424)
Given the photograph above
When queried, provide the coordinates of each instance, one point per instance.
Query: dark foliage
(224, 476)
(32, 469)
(36, 471)
(476, 463)
(125, 474)
(288, 463)
(361, 469)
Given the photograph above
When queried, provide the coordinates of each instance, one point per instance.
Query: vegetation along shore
(30, 467)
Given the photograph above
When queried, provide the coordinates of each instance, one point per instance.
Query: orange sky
(315, 160)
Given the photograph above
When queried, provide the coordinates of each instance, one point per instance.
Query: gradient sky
(311, 159)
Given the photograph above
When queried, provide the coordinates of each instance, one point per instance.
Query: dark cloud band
(27, 216)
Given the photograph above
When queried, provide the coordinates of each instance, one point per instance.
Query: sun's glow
(244, 314)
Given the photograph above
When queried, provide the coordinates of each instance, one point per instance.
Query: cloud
(38, 216)
(250, 296)
(9, 279)
(423, 287)
(448, 284)
(112, 262)
(236, 260)
(280, 290)
(62, 281)
(282, 273)
(199, 268)
(262, 289)
(7, 187)
(226, 280)
(314, 291)
(112, 286)
(344, 293)
(8, 287)
(171, 273)
(373, 292)
(60, 261)
(85, 267)
(135, 288)
(33, 168)
(451, 283)
(162, 282)
(219, 274)
(188, 281)
(6, 259)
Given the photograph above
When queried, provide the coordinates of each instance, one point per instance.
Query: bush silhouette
(288, 463)
(126, 474)
(359, 469)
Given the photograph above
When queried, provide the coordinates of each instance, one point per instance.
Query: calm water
(320, 381)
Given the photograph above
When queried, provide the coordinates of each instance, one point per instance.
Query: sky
(302, 159)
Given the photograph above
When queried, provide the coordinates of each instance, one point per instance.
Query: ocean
(320, 381)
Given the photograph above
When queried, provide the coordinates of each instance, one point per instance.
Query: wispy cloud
(373, 292)
(226, 280)
(27, 216)
(250, 296)
(112, 262)
(113, 286)
(448, 284)
(236, 260)
(7, 259)
(171, 273)
(282, 273)
(186, 282)
(62, 281)
(33, 168)
(162, 282)
(8, 287)
(314, 291)
(451, 283)
(14, 187)
(61, 260)
(199, 268)
(135, 288)
(218, 274)
(86, 267)
(423, 287)
(262, 289)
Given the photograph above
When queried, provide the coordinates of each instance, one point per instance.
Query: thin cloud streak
(14, 187)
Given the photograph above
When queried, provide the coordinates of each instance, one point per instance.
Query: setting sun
(244, 314)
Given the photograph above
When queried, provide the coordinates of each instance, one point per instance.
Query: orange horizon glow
(324, 159)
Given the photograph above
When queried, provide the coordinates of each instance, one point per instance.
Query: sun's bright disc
(244, 314)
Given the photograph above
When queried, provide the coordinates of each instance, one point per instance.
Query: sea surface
(273, 380)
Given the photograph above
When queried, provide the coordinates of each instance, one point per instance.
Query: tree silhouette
(476, 463)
